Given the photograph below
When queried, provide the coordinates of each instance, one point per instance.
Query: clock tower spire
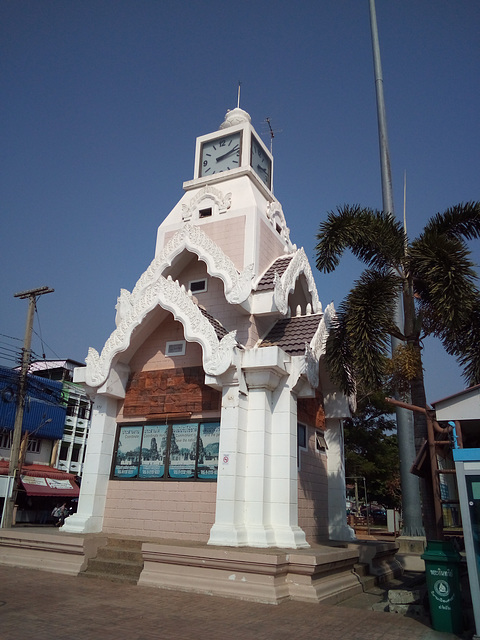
(231, 197)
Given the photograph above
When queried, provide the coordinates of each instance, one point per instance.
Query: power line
(57, 357)
(10, 337)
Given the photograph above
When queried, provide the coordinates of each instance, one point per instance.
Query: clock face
(261, 163)
(221, 154)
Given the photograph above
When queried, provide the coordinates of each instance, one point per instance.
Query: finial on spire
(235, 116)
(238, 97)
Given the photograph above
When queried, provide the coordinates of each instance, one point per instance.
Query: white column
(229, 528)
(93, 491)
(283, 478)
(257, 499)
(258, 459)
(337, 510)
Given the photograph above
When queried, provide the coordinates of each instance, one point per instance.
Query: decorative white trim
(234, 117)
(237, 286)
(208, 192)
(279, 297)
(311, 366)
(131, 311)
(275, 215)
(319, 341)
(285, 285)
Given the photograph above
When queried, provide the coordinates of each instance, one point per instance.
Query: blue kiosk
(464, 407)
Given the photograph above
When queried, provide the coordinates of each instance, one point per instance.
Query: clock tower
(231, 198)
(217, 356)
(237, 148)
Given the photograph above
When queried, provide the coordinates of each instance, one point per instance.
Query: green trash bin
(442, 562)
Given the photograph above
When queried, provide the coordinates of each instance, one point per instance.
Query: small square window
(176, 348)
(301, 441)
(198, 286)
(302, 435)
(320, 442)
(205, 213)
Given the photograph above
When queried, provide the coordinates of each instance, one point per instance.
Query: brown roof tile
(280, 265)
(216, 324)
(291, 334)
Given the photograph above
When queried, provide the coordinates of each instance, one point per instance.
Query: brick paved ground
(46, 606)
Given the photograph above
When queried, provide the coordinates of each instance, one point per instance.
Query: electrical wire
(57, 357)
(4, 335)
(40, 330)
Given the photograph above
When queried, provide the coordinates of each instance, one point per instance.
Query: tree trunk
(417, 389)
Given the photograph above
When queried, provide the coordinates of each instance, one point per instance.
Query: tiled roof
(291, 334)
(38, 471)
(280, 265)
(219, 328)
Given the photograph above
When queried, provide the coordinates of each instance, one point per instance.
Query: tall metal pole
(411, 505)
(13, 467)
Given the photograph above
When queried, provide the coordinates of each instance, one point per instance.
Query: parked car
(377, 513)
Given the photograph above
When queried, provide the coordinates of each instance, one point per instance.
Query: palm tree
(435, 279)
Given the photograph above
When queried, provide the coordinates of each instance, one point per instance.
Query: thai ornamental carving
(237, 286)
(223, 202)
(319, 340)
(311, 366)
(285, 285)
(275, 215)
(131, 311)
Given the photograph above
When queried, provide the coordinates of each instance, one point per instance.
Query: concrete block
(404, 596)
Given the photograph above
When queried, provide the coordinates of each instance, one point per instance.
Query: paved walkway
(47, 606)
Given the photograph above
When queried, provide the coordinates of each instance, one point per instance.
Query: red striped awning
(35, 486)
(43, 480)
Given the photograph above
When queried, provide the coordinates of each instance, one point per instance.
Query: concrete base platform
(326, 573)
(264, 575)
(45, 549)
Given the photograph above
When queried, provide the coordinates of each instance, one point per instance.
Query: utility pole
(32, 295)
(411, 505)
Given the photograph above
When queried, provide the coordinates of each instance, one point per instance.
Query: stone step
(124, 543)
(115, 553)
(111, 577)
(361, 569)
(120, 560)
(114, 567)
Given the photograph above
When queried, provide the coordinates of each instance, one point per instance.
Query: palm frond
(374, 237)
(358, 342)
(463, 343)
(339, 358)
(444, 279)
(460, 221)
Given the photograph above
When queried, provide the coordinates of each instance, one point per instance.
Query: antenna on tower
(271, 133)
(238, 96)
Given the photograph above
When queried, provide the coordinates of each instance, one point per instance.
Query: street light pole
(411, 505)
(31, 295)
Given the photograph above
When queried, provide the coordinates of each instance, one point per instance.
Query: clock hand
(262, 169)
(235, 148)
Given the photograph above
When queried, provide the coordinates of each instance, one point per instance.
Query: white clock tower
(222, 337)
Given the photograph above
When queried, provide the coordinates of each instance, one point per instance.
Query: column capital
(265, 367)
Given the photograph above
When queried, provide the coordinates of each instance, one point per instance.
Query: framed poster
(154, 451)
(183, 449)
(128, 452)
(208, 445)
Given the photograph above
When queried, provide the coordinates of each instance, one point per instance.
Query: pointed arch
(237, 286)
(217, 354)
(285, 285)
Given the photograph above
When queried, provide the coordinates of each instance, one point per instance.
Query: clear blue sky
(102, 101)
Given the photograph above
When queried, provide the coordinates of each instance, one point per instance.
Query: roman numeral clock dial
(221, 154)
